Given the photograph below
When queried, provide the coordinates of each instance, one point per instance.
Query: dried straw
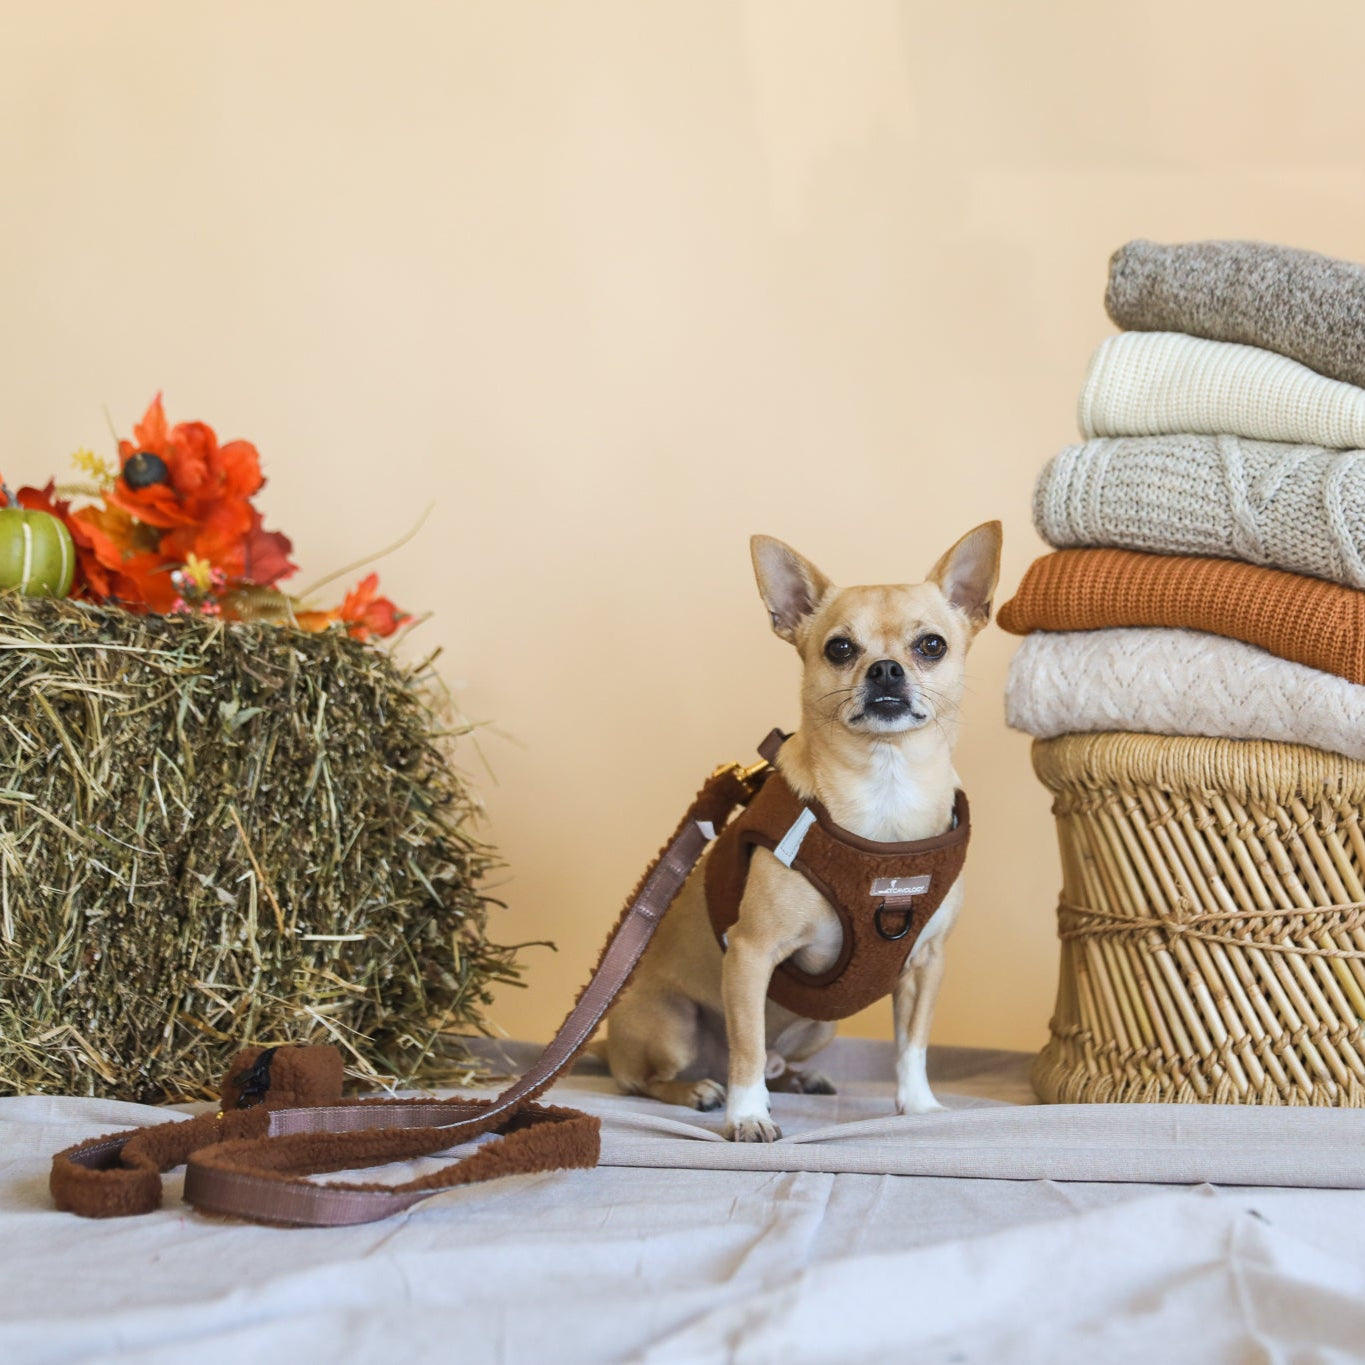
(213, 834)
(1212, 921)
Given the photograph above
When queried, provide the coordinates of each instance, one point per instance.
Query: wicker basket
(1212, 922)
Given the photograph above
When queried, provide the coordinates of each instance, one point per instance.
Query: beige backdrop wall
(615, 285)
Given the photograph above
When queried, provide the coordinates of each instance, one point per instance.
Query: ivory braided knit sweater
(1308, 307)
(1178, 682)
(1300, 508)
(1306, 620)
(1158, 383)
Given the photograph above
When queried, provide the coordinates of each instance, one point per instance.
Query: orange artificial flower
(362, 612)
(175, 531)
(198, 494)
(367, 614)
(121, 558)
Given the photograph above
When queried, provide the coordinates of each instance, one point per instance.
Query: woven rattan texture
(1212, 922)
(1304, 619)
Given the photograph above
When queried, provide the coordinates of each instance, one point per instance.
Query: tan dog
(882, 683)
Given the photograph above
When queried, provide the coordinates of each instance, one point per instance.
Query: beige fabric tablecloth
(804, 1255)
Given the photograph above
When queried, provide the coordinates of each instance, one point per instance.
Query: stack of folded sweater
(1210, 531)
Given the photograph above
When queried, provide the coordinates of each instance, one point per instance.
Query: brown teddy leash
(283, 1120)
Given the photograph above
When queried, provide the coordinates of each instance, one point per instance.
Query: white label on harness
(899, 888)
(707, 828)
(790, 846)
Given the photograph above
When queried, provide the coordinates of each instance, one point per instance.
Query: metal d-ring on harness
(898, 896)
(907, 922)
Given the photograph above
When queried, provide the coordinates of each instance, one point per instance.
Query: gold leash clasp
(750, 778)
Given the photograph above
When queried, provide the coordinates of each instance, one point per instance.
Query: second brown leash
(255, 1163)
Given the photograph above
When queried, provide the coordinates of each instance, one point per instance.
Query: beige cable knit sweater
(1178, 682)
(1300, 508)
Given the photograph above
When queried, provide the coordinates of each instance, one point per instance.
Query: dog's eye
(840, 650)
(931, 646)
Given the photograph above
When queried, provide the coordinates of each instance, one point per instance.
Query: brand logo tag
(893, 889)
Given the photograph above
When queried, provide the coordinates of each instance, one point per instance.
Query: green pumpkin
(36, 553)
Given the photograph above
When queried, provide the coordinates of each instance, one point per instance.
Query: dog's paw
(918, 1104)
(707, 1095)
(914, 1094)
(793, 1082)
(752, 1130)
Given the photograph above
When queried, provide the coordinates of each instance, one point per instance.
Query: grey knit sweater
(1306, 306)
(1300, 508)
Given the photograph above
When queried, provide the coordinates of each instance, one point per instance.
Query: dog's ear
(967, 574)
(790, 585)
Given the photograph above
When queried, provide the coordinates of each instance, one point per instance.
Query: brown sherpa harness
(283, 1118)
(883, 893)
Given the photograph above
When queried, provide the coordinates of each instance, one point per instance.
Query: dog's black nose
(886, 670)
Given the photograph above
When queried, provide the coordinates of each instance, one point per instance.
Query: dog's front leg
(913, 1011)
(913, 1008)
(747, 970)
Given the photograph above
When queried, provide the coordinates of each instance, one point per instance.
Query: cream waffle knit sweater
(1157, 383)
(1300, 508)
(1178, 682)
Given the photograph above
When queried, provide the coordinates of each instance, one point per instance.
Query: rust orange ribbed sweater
(1304, 619)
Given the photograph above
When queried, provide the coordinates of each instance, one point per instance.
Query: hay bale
(213, 834)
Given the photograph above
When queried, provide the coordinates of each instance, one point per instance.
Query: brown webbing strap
(253, 1163)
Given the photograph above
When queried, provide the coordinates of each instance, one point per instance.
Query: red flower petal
(43, 500)
(267, 556)
(366, 614)
(239, 466)
(157, 505)
(313, 621)
(218, 535)
(194, 451)
(150, 433)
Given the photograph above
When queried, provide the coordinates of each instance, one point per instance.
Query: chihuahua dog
(883, 675)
